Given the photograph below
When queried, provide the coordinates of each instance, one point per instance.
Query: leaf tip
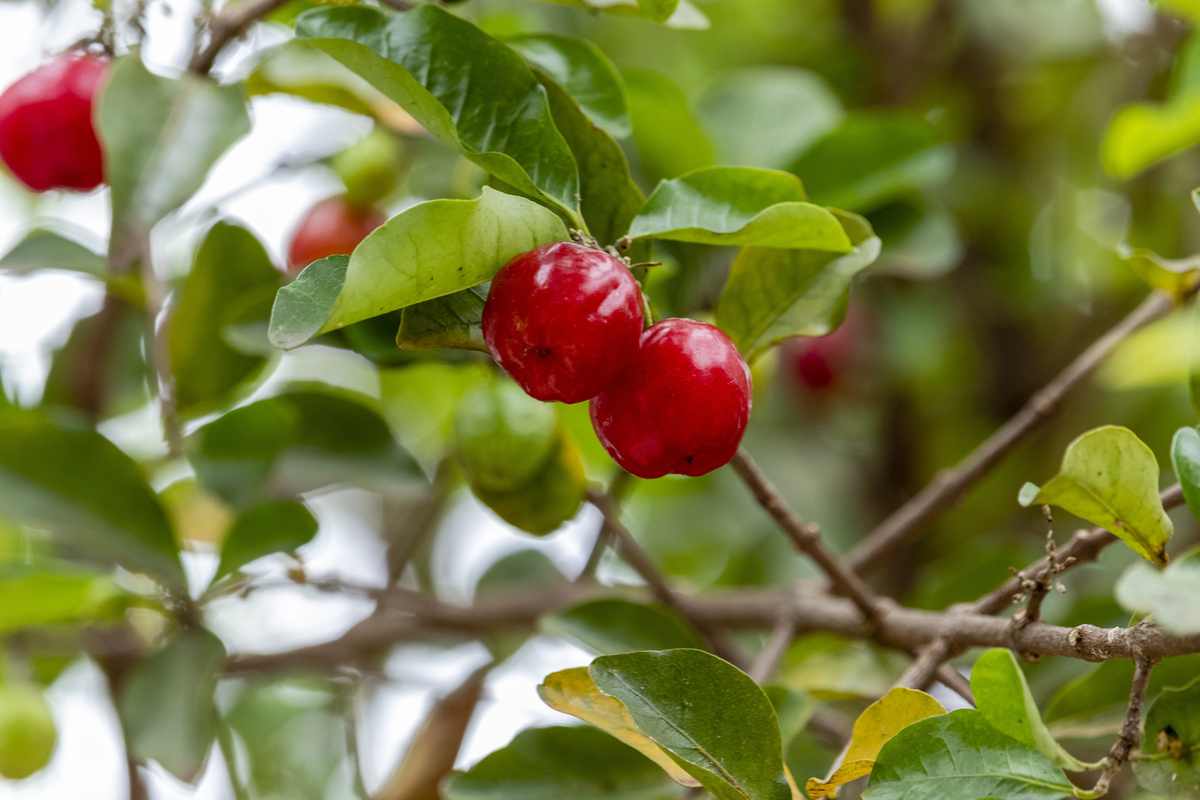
(1028, 494)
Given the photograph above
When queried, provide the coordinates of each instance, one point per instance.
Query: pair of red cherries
(565, 322)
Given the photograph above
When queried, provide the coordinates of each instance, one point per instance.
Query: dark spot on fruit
(689, 459)
(543, 352)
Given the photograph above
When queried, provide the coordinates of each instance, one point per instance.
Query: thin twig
(806, 538)
(1130, 737)
(233, 20)
(904, 524)
(772, 654)
(637, 558)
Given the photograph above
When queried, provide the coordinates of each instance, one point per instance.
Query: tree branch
(904, 524)
(230, 23)
(806, 537)
(1131, 731)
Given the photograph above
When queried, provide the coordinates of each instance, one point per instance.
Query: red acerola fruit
(563, 320)
(47, 137)
(332, 227)
(682, 406)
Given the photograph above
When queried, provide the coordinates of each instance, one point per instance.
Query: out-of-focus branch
(948, 487)
(1131, 731)
(232, 21)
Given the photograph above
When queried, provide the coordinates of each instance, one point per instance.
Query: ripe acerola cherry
(682, 406)
(563, 320)
(333, 226)
(47, 138)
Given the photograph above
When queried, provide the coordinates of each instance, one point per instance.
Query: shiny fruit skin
(332, 227)
(563, 320)
(681, 407)
(27, 733)
(47, 136)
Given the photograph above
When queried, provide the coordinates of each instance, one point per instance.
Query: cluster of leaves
(808, 196)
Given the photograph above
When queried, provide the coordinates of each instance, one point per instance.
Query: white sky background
(36, 313)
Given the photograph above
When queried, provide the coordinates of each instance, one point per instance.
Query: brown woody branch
(407, 617)
(949, 486)
(1131, 731)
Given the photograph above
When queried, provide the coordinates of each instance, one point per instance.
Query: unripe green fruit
(549, 499)
(504, 436)
(27, 734)
(371, 168)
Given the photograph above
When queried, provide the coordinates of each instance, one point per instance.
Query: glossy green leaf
(585, 73)
(959, 756)
(772, 294)
(878, 723)
(167, 707)
(1110, 478)
(738, 206)
(1171, 595)
(466, 88)
(273, 527)
(767, 116)
(50, 594)
(872, 158)
(432, 249)
(232, 281)
(572, 691)
(1185, 459)
(1172, 738)
(555, 763)
(609, 199)
(45, 249)
(669, 140)
(74, 482)
(160, 138)
(686, 17)
(709, 716)
(452, 321)
(234, 454)
(658, 10)
(609, 626)
(1004, 699)
(1174, 276)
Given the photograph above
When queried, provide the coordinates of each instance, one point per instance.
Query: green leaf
(167, 708)
(709, 716)
(585, 73)
(873, 158)
(658, 10)
(1172, 737)
(610, 626)
(878, 723)
(793, 708)
(959, 756)
(452, 321)
(686, 17)
(33, 595)
(76, 374)
(1143, 134)
(234, 454)
(1174, 276)
(1172, 594)
(668, 138)
(609, 199)
(1189, 9)
(767, 116)
(1004, 699)
(232, 282)
(1185, 458)
(432, 249)
(556, 763)
(44, 249)
(738, 206)
(273, 527)
(1104, 689)
(76, 483)
(572, 691)
(772, 294)
(466, 88)
(1110, 478)
(160, 138)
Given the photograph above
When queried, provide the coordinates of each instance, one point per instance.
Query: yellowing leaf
(881, 720)
(1110, 478)
(572, 691)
